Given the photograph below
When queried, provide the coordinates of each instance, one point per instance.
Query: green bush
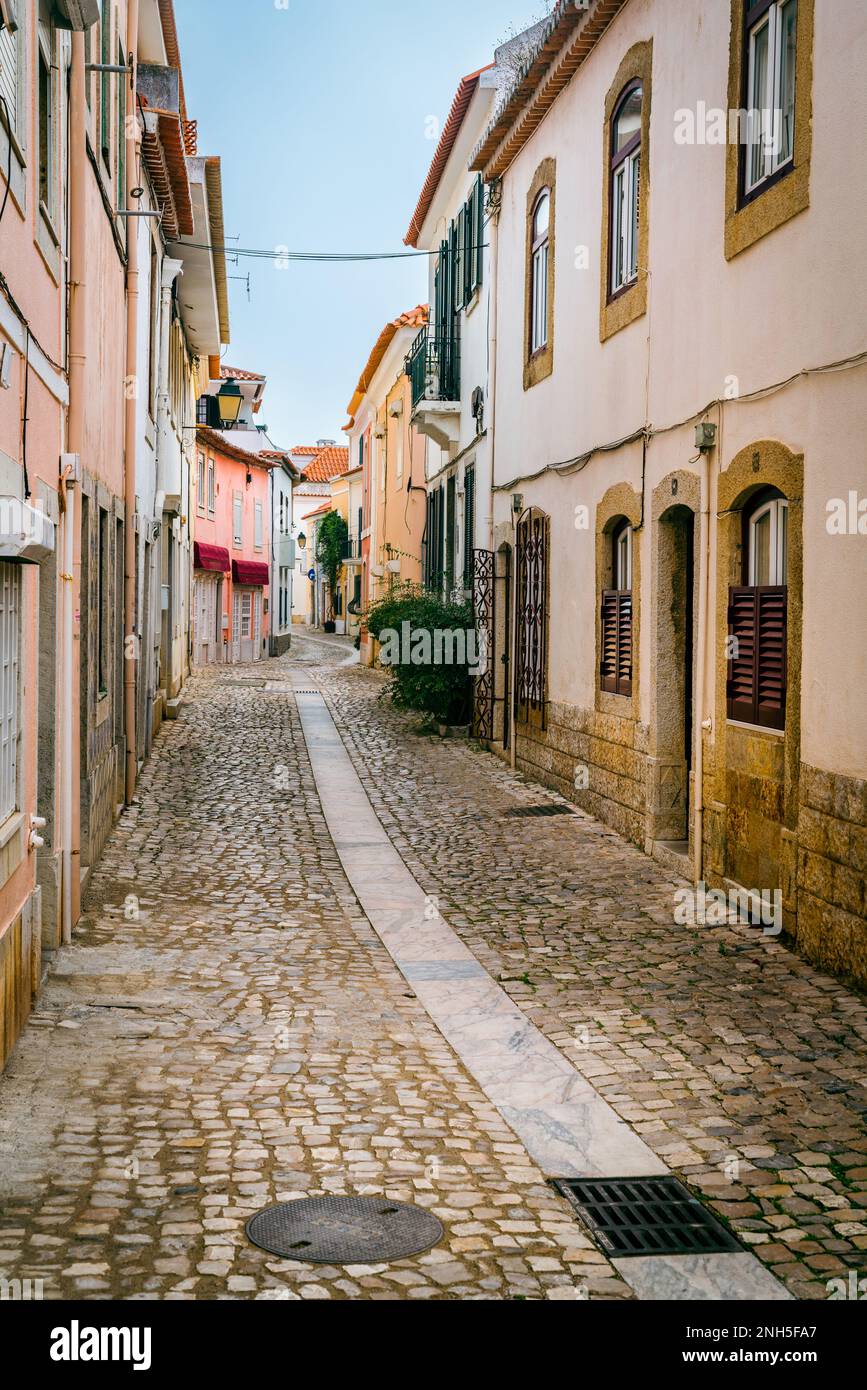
(440, 689)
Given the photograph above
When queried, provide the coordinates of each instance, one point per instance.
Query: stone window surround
(747, 221)
(621, 502)
(624, 307)
(539, 365)
(766, 463)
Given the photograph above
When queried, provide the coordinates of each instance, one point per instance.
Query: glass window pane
(542, 218)
(636, 192)
(786, 115)
(761, 557)
(628, 123)
(619, 222)
(783, 563)
(759, 104)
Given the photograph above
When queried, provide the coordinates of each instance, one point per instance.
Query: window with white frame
(246, 615)
(238, 520)
(200, 486)
(771, 41)
(626, 187)
(10, 643)
(212, 488)
(540, 251)
(768, 544)
(258, 526)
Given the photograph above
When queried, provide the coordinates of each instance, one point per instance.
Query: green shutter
(105, 83)
(480, 232)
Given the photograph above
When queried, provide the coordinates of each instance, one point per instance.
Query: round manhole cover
(344, 1230)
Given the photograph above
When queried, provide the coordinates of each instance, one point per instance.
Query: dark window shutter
(617, 642)
(462, 251)
(609, 642)
(743, 610)
(469, 525)
(624, 644)
(757, 681)
(771, 664)
(480, 232)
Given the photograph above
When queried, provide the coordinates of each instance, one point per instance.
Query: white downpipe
(67, 743)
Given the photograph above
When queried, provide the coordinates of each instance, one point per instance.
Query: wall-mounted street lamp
(302, 541)
(229, 401)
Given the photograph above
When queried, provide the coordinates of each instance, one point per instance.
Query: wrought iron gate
(484, 604)
(532, 609)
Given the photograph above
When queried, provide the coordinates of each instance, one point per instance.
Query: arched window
(540, 251)
(767, 543)
(626, 186)
(758, 617)
(622, 558)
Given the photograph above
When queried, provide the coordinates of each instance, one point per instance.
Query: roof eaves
(559, 53)
(214, 186)
(451, 130)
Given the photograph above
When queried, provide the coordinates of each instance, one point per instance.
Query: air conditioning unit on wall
(76, 14)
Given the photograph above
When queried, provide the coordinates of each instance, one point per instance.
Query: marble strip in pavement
(559, 1117)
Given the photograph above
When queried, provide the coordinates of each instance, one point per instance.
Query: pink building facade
(232, 550)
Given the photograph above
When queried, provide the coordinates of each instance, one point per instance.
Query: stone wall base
(20, 972)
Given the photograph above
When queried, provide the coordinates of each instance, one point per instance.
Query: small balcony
(434, 369)
(352, 551)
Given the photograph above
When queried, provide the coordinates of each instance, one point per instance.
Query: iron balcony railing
(352, 548)
(434, 368)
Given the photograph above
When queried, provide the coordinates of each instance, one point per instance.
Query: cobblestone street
(228, 1031)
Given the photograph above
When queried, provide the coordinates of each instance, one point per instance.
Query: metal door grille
(646, 1216)
(532, 599)
(484, 610)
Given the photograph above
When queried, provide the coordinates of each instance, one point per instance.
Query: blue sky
(319, 110)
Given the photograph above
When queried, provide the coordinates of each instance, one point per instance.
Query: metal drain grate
(646, 1216)
(526, 812)
(344, 1230)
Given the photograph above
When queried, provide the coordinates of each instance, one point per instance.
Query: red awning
(211, 557)
(251, 572)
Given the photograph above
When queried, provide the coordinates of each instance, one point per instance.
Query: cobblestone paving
(227, 1031)
(740, 1064)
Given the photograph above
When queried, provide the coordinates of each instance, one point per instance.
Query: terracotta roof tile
(239, 374)
(418, 317)
(328, 463)
(451, 130)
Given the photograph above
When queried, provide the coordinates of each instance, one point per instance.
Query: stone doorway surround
(675, 506)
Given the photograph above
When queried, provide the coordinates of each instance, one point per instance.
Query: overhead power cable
(327, 257)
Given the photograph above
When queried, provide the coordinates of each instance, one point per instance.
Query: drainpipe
(492, 373)
(130, 422)
(702, 725)
(78, 330)
(69, 682)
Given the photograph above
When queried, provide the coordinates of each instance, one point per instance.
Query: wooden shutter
(617, 642)
(772, 658)
(757, 682)
(462, 254)
(624, 644)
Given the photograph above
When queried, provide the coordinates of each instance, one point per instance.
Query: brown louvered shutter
(609, 641)
(757, 683)
(743, 608)
(771, 661)
(624, 644)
